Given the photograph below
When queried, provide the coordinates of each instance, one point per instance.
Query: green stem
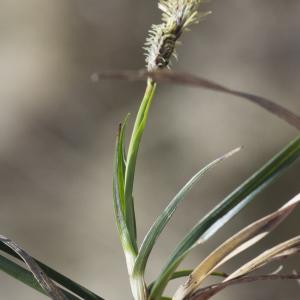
(134, 144)
(137, 282)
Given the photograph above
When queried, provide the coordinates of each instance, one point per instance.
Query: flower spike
(177, 16)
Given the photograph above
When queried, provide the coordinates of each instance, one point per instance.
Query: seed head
(177, 16)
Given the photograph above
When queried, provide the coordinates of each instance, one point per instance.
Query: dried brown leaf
(210, 291)
(196, 81)
(267, 256)
(234, 245)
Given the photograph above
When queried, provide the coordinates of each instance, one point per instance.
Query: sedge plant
(177, 18)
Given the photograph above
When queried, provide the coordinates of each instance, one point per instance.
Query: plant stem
(137, 282)
(133, 148)
(138, 288)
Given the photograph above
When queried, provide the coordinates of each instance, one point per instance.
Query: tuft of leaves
(237, 244)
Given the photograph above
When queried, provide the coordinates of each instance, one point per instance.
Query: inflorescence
(177, 16)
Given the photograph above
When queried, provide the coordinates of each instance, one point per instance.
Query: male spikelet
(177, 16)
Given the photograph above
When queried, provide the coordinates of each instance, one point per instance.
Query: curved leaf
(185, 273)
(210, 291)
(227, 209)
(196, 81)
(48, 286)
(133, 148)
(266, 257)
(235, 245)
(26, 277)
(164, 218)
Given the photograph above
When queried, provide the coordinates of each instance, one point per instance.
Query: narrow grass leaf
(166, 215)
(284, 255)
(58, 278)
(137, 284)
(209, 291)
(21, 274)
(121, 167)
(48, 286)
(235, 245)
(264, 258)
(227, 209)
(118, 196)
(180, 274)
(186, 273)
(196, 81)
(133, 148)
(122, 142)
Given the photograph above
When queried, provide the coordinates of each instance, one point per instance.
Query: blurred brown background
(57, 131)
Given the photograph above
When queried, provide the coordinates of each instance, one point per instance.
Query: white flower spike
(177, 16)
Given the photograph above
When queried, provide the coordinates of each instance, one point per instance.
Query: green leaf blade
(186, 273)
(118, 196)
(168, 212)
(133, 149)
(59, 278)
(50, 288)
(227, 209)
(21, 274)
